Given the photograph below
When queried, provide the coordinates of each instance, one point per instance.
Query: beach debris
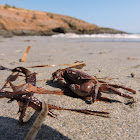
(38, 122)
(132, 75)
(131, 58)
(24, 94)
(88, 87)
(25, 54)
(27, 40)
(4, 68)
(104, 52)
(77, 64)
(99, 52)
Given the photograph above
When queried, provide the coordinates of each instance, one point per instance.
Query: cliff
(17, 21)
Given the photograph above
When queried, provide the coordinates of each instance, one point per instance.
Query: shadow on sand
(10, 129)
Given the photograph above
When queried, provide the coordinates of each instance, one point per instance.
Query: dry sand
(103, 59)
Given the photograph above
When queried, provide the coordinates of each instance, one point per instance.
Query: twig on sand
(77, 65)
(131, 58)
(25, 54)
(38, 123)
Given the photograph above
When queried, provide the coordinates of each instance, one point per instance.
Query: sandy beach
(115, 60)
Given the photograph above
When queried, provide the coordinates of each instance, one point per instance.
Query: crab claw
(87, 90)
(83, 89)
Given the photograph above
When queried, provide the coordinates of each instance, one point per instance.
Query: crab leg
(107, 88)
(88, 112)
(123, 87)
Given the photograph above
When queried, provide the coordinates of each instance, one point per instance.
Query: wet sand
(116, 60)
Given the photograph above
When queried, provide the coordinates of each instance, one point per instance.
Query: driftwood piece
(78, 65)
(38, 122)
(25, 54)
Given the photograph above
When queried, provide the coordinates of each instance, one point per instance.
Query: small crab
(88, 87)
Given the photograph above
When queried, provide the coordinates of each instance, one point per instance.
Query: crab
(88, 87)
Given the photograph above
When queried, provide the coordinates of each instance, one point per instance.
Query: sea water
(101, 37)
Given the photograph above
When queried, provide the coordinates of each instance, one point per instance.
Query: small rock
(132, 74)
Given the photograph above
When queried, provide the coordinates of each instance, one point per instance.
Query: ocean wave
(102, 36)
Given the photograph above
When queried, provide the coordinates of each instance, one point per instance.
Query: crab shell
(79, 82)
(74, 76)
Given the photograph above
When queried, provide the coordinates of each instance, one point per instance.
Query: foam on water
(102, 37)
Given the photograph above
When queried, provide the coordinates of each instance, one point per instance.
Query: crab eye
(73, 72)
(79, 77)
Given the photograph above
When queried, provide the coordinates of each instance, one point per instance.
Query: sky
(118, 14)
